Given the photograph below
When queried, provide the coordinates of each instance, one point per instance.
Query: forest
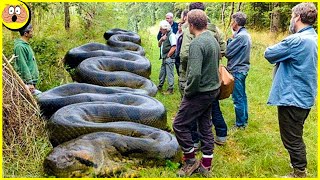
(256, 152)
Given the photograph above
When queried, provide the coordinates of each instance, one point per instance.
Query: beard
(291, 27)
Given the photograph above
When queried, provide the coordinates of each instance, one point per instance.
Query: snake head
(63, 162)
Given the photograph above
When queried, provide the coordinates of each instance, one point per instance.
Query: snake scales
(89, 120)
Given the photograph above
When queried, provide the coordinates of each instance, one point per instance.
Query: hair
(197, 5)
(198, 19)
(25, 29)
(240, 18)
(307, 11)
(185, 13)
(169, 14)
(165, 25)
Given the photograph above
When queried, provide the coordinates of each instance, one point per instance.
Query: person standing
(174, 25)
(238, 55)
(217, 117)
(179, 37)
(25, 63)
(202, 86)
(167, 44)
(294, 85)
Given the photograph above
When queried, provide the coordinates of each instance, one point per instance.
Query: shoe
(189, 167)
(206, 172)
(169, 91)
(220, 140)
(159, 88)
(235, 128)
(296, 173)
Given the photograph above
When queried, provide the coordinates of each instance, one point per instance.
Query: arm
(173, 43)
(172, 50)
(163, 38)
(21, 65)
(184, 51)
(234, 47)
(159, 36)
(194, 70)
(279, 52)
(222, 43)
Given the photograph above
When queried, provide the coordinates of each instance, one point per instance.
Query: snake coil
(113, 86)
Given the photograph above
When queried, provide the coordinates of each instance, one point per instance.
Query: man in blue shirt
(294, 86)
(238, 55)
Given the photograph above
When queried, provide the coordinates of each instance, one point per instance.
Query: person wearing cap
(167, 44)
(174, 25)
(25, 63)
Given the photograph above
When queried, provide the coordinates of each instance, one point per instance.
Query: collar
(242, 27)
(305, 28)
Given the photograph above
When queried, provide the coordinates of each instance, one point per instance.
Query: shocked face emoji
(15, 15)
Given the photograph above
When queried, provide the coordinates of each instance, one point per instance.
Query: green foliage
(172, 165)
(45, 50)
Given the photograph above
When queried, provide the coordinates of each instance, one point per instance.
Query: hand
(163, 38)
(232, 32)
(30, 87)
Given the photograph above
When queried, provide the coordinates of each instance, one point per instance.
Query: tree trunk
(275, 18)
(153, 14)
(227, 27)
(66, 16)
(239, 6)
(222, 15)
(232, 10)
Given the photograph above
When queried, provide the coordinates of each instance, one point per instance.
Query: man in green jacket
(187, 38)
(202, 87)
(25, 64)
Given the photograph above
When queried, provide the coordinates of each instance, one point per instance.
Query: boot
(189, 166)
(297, 173)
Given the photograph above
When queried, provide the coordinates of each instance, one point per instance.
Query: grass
(257, 151)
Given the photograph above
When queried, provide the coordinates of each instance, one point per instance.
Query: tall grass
(258, 150)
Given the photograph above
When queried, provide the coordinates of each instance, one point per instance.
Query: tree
(275, 18)
(66, 16)
(239, 6)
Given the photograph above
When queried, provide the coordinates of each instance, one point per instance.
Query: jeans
(167, 69)
(195, 110)
(220, 125)
(291, 121)
(177, 63)
(218, 121)
(239, 98)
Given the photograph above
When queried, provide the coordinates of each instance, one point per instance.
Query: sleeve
(234, 47)
(159, 36)
(194, 70)
(279, 52)
(20, 64)
(221, 42)
(184, 51)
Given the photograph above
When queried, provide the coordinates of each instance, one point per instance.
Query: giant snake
(108, 112)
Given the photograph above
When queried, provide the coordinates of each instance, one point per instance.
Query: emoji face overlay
(14, 14)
